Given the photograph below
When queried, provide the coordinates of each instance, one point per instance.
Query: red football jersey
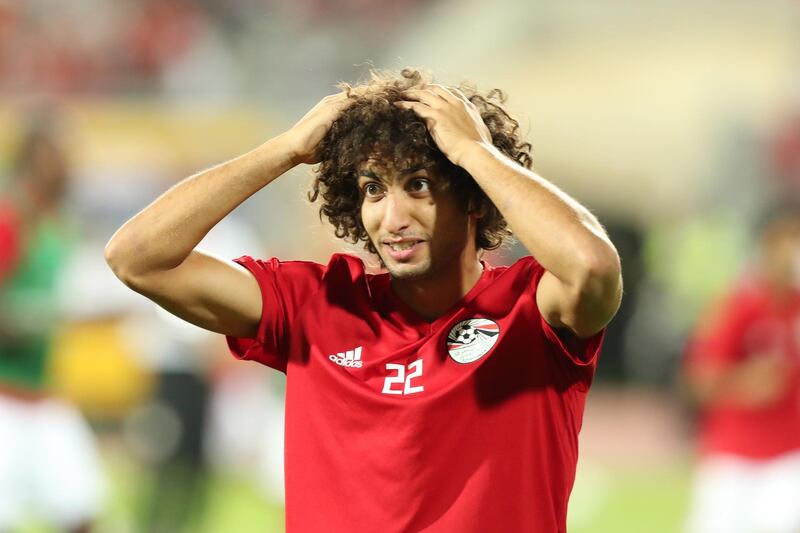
(468, 423)
(751, 323)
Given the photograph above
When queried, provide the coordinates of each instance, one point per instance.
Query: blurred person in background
(743, 367)
(49, 467)
(445, 394)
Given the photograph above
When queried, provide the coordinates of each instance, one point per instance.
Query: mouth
(403, 250)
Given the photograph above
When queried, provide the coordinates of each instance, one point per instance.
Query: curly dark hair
(373, 126)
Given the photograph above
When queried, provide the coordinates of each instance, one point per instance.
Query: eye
(419, 185)
(371, 189)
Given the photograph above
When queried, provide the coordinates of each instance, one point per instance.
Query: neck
(432, 296)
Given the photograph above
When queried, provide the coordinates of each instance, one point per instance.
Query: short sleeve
(581, 352)
(285, 287)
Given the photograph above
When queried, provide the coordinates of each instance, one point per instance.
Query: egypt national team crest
(471, 339)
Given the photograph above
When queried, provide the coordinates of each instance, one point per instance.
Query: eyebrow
(370, 174)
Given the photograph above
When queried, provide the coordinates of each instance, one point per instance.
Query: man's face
(414, 220)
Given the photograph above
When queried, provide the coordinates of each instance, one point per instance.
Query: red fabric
(487, 445)
(750, 323)
(10, 241)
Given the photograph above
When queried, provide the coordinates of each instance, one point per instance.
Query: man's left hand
(453, 121)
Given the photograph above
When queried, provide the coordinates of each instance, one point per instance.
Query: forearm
(164, 233)
(563, 235)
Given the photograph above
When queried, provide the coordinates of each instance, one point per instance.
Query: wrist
(476, 154)
(283, 150)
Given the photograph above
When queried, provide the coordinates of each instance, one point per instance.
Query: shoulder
(525, 270)
(339, 268)
(345, 265)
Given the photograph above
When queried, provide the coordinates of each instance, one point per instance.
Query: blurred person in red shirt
(49, 467)
(743, 367)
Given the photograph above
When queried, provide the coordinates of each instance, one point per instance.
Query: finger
(458, 94)
(332, 101)
(339, 102)
(426, 96)
(420, 108)
(425, 112)
(462, 99)
(443, 92)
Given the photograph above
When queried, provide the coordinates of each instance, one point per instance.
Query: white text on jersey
(351, 358)
(403, 378)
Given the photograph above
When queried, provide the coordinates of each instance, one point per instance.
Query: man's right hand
(304, 137)
(155, 254)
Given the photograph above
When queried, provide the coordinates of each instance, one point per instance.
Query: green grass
(233, 503)
(237, 507)
(606, 499)
(629, 500)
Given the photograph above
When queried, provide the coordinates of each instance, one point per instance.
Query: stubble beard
(408, 272)
(429, 267)
(424, 269)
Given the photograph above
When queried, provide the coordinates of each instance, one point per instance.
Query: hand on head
(454, 122)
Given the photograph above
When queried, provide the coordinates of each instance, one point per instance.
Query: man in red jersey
(744, 368)
(444, 394)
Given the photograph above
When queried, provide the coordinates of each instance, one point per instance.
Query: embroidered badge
(471, 339)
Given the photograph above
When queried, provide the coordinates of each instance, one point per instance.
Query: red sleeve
(10, 242)
(285, 286)
(581, 352)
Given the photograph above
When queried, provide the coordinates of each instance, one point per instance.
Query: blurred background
(676, 123)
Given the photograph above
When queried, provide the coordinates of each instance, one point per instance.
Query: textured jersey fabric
(751, 323)
(468, 423)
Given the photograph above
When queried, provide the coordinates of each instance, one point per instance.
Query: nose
(397, 213)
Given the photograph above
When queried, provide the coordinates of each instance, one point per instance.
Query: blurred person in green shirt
(49, 468)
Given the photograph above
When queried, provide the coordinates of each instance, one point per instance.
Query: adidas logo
(351, 358)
